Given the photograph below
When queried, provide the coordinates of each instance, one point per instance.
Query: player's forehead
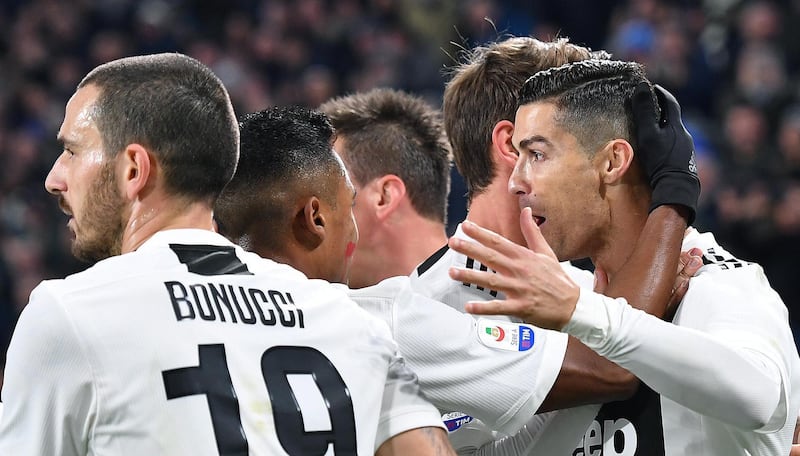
(535, 124)
(79, 115)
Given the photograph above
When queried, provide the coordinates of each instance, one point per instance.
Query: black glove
(665, 149)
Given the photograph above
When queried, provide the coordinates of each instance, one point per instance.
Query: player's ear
(501, 142)
(308, 227)
(615, 159)
(391, 190)
(137, 166)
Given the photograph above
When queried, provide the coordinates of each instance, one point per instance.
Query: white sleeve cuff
(591, 320)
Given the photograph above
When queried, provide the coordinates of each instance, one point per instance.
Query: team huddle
(282, 282)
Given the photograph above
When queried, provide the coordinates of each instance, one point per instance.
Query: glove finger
(643, 105)
(670, 108)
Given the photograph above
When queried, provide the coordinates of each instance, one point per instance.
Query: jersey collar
(184, 236)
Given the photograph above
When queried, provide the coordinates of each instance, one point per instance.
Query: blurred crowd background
(733, 64)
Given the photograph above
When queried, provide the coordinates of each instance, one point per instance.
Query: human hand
(665, 149)
(600, 280)
(688, 264)
(537, 289)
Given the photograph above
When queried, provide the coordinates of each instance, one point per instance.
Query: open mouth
(539, 220)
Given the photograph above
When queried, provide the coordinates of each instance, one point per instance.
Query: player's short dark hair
(286, 152)
(176, 107)
(392, 132)
(482, 91)
(592, 98)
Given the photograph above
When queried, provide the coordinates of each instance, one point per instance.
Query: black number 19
(212, 378)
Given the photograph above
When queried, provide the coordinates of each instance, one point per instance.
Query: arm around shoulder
(734, 384)
(587, 378)
(645, 280)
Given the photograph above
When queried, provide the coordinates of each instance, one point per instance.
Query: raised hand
(537, 289)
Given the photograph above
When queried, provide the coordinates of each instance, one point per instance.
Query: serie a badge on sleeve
(505, 335)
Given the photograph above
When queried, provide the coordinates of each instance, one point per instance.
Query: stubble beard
(102, 222)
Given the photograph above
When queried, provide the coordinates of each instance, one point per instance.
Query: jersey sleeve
(720, 362)
(463, 367)
(582, 277)
(48, 393)
(552, 433)
(403, 406)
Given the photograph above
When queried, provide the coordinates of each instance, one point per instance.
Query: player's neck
(627, 219)
(153, 215)
(496, 210)
(420, 240)
(401, 247)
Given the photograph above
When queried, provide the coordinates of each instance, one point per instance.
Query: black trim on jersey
(723, 261)
(481, 267)
(210, 260)
(428, 263)
(633, 426)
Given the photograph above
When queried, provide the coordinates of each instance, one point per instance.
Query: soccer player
(723, 377)
(478, 108)
(176, 341)
(398, 157)
(480, 100)
(288, 201)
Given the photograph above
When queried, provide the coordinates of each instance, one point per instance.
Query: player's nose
(56, 182)
(519, 182)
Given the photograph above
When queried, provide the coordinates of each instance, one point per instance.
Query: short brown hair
(392, 132)
(483, 90)
(176, 106)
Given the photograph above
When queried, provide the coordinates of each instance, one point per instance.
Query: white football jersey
(724, 379)
(431, 279)
(494, 373)
(191, 346)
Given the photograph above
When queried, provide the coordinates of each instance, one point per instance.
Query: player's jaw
(97, 227)
(548, 222)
